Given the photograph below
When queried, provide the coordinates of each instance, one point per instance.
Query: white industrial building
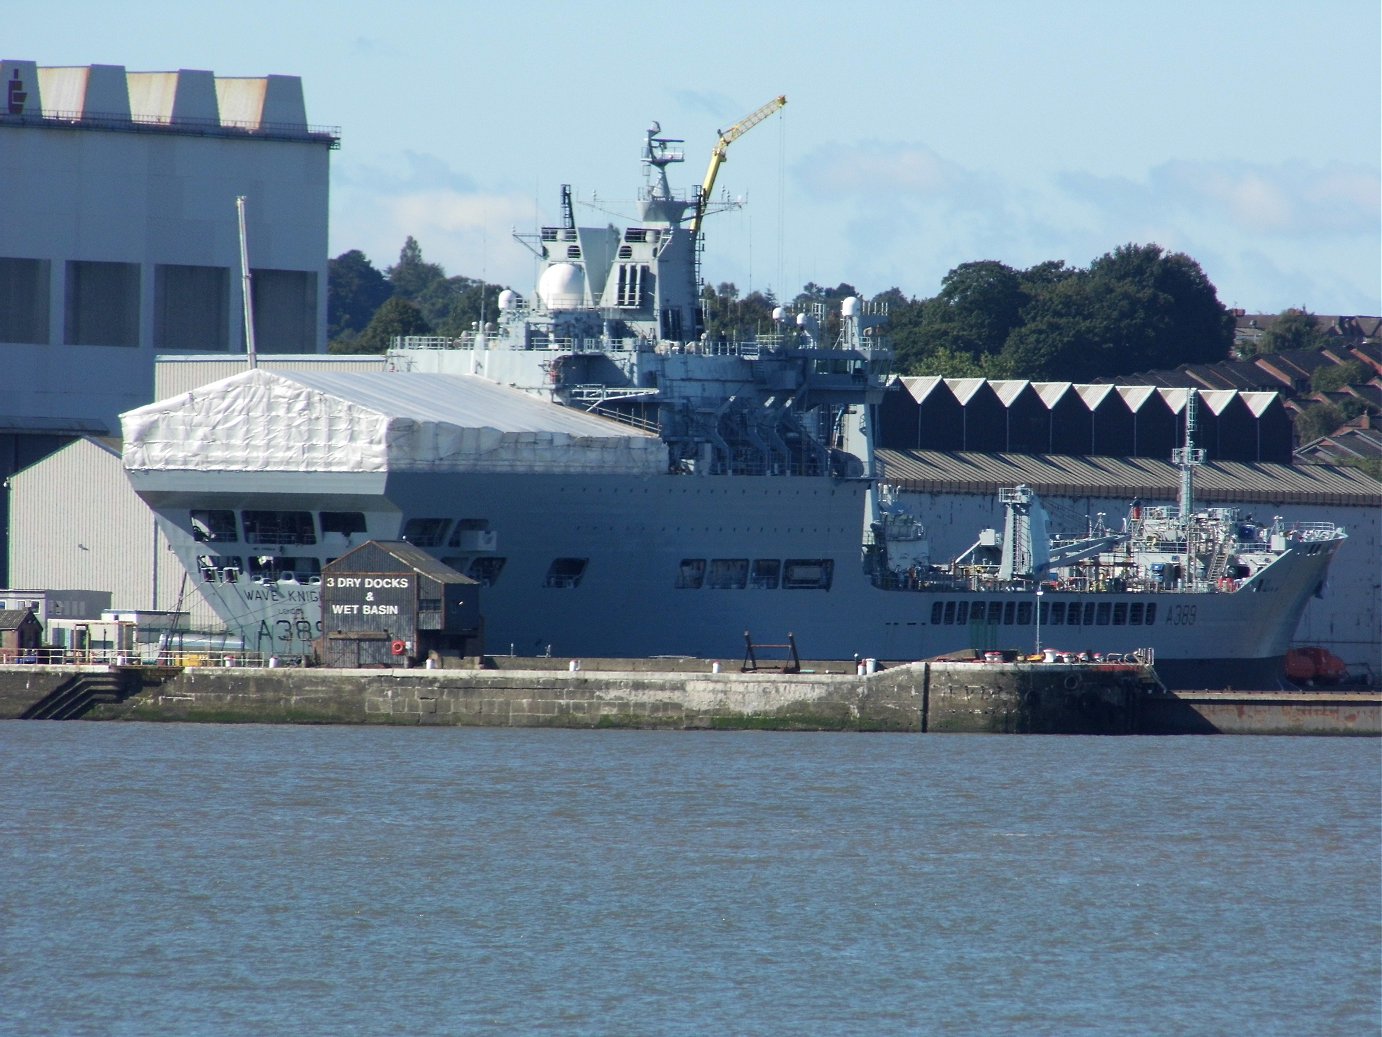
(119, 237)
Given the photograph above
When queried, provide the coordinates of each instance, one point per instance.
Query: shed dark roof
(1222, 482)
(12, 619)
(413, 557)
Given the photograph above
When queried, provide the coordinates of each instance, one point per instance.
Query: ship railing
(1314, 530)
(431, 342)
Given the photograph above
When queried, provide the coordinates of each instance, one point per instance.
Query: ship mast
(1187, 458)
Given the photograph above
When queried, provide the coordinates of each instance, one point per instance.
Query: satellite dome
(779, 314)
(562, 287)
(508, 299)
(849, 306)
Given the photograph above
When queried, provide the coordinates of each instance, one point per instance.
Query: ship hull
(633, 537)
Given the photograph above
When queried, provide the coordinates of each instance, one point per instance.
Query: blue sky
(917, 136)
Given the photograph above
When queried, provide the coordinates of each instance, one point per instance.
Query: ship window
(278, 527)
(473, 534)
(573, 251)
(426, 532)
(1151, 612)
(1008, 608)
(765, 573)
(691, 574)
(629, 289)
(807, 573)
(976, 612)
(625, 252)
(1120, 613)
(345, 523)
(1057, 614)
(484, 571)
(1024, 613)
(1044, 613)
(565, 572)
(962, 613)
(728, 573)
(1089, 614)
(995, 613)
(1105, 608)
(935, 613)
(1074, 617)
(949, 613)
(1135, 615)
(635, 234)
(210, 524)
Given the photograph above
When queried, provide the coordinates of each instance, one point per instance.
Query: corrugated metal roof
(1223, 482)
(464, 400)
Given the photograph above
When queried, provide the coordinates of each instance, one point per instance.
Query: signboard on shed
(369, 601)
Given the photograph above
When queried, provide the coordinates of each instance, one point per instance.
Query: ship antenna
(245, 291)
(1187, 459)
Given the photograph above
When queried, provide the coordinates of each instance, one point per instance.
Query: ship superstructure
(623, 484)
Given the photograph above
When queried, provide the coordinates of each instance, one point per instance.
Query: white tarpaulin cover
(262, 421)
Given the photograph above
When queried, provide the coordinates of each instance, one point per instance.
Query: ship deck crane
(717, 155)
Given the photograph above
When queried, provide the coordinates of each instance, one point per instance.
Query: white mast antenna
(245, 280)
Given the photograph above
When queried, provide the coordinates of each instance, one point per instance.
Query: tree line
(1136, 308)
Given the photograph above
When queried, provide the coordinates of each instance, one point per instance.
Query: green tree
(1322, 419)
(978, 306)
(1137, 308)
(1293, 329)
(354, 291)
(1335, 376)
(411, 276)
(396, 317)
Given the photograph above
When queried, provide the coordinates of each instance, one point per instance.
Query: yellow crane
(717, 155)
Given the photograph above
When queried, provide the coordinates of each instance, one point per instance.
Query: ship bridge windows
(565, 572)
(278, 527)
(1120, 613)
(807, 573)
(765, 574)
(343, 523)
(1056, 615)
(213, 524)
(635, 233)
(426, 532)
(728, 573)
(573, 251)
(473, 534)
(625, 252)
(691, 574)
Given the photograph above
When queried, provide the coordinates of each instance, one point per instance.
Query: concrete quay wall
(918, 697)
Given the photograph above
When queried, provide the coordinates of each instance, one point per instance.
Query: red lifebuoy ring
(398, 648)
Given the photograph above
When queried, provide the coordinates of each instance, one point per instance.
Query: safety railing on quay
(176, 659)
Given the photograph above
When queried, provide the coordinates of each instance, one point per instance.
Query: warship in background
(734, 489)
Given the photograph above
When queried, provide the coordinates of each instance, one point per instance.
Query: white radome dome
(562, 287)
(849, 306)
(508, 299)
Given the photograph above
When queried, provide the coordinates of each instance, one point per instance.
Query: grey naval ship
(623, 484)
